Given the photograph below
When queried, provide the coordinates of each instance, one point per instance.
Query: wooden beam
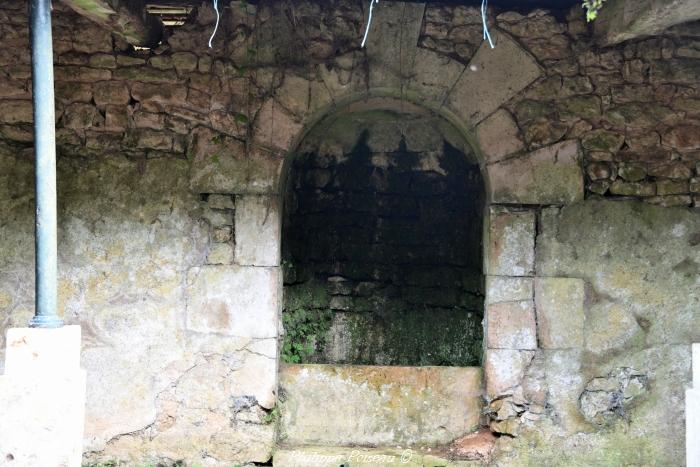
(126, 18)
(622, 20)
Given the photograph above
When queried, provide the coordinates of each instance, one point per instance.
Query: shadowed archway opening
(382, 248)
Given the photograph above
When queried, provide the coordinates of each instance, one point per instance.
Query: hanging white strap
(484, 5)
(369, 21)
(216, 26)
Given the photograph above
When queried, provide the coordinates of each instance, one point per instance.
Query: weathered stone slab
(560, 312)
(504, 370)
(257, 230)
(492, 78)
(511, 325)
(392, 43)
(332, 456)
(498, 136)
(551, 175)
(627, 298)
(427, 82)
(375, 405)
(239, 301)
(508, 289)
(621, 20)
(511, 242)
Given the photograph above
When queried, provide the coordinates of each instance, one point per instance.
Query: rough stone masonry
(172, 168)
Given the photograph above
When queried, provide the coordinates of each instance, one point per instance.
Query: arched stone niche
(382, 251)
(518, 184)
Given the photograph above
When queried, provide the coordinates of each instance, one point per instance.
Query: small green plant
(592, 7)
(272, 415)
(305, 331)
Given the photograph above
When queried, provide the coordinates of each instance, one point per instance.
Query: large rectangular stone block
(560, 312)
(511, 242)
(508, 289)
(551, 175)
(511, 325)
(504, 370)
(257, 230)
(239, 301)
(378, 405)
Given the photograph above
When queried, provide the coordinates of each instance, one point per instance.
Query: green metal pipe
(45, 166)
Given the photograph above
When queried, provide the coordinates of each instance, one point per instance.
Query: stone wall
(382, 243)
(594, 369)
(131, 238)
(171, 171)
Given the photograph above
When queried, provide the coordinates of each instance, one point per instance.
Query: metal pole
(45, 166)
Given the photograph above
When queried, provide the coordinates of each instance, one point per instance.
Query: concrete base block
(692, 427)
(42, 398)
(692, 414)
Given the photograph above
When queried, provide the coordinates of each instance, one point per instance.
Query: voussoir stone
(393, 29)
(475, 94)
(498, 136)
(427, 82)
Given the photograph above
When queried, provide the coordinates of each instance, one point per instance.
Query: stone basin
(355, 405)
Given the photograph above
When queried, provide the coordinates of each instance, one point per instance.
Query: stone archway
(470, 97)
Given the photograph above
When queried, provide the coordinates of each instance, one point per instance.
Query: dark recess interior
(382, 254)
